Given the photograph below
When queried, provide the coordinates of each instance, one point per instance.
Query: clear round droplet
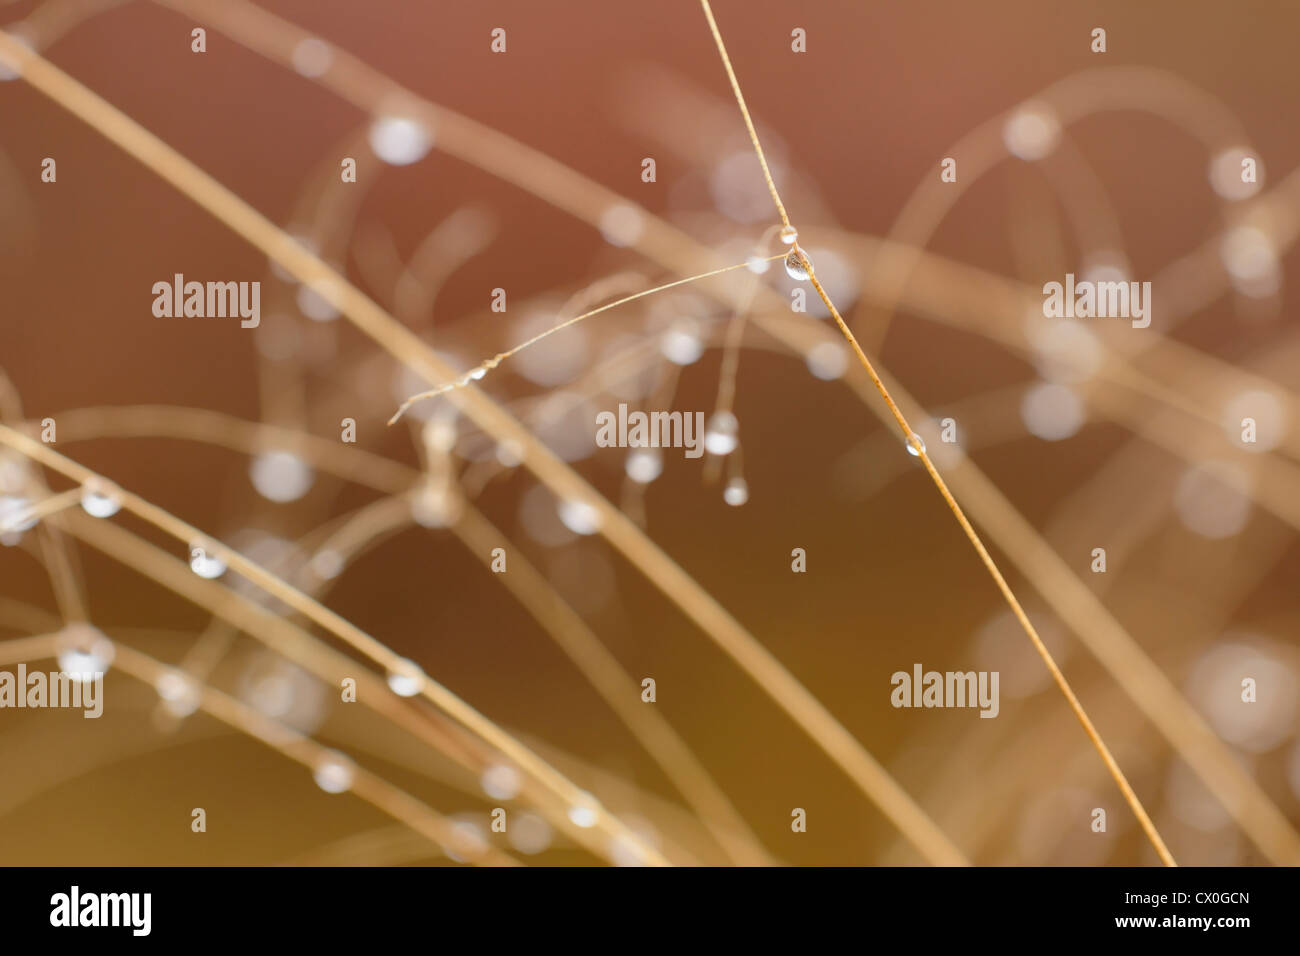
(579, 517)
(737, 492)
(400, 140)
(644, 465)
(795, 265)
(280, 476)
(915, 445)
(333, 773)
(406, 679)
(789, 234)
(722, 433)
(206, 565)
(99, 500)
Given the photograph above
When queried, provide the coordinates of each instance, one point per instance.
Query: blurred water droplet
(179, 693)
(737, 492)
(827, 360)
(622, 225)
(1032, 131)
(583, 814)
(501, 781)
(85, 651)
(334, 772)
(757, 265)
(644, 465)
(312, 57)
(280, 476)
(789, 234)
(14, 519)
(681, 342)
(400, 140)
(721, 433)
(579, 517)
(406, 678)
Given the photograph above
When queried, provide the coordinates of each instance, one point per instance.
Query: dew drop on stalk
(333, 772)
(98, 499)
(644, 465)
(737, 492)
(789, 234)
(722, 433)
(579, 517)
(206, 565)
(797, 265)
(406, 678)
(915, 445)
(400, 140)
(280, 476)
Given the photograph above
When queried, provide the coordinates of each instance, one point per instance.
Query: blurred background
(1072, 435)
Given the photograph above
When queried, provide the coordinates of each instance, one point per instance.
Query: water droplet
(440, 432)
(1032, 131)
(622, 225)
(312, 57)
(757, 265)
(1052, 412)
(737, 492)
(435, 505)
(315, 302)
(178, 692)
(500, 781)
(644, 465)
(14, 519)
(681, 342)
(334, 772)
(529, 833)
(406, 678)
(23, 34)
(85, 651)
(789, 234)
(797, 265)
(583, 814)
(327, 564)
(400, 140)
(579, 517)
(722, 433)
(509, 453)
(206, 565)
(915, 445)
(827, 360)
(99, 499)
(477, 373)
(280, 476)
